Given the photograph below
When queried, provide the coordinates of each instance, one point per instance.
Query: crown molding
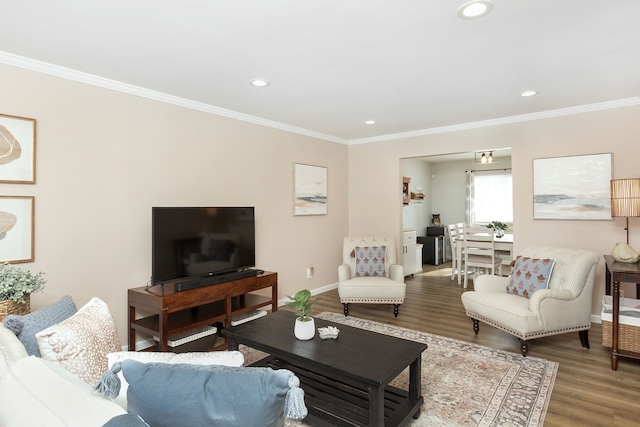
(78, 76)
(81, 77)
(625, 102)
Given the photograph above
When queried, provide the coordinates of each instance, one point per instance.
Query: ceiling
(413, 66)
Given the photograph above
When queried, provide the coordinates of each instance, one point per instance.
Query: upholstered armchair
(369, 273)
(562, 306)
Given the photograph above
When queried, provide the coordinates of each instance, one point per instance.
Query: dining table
(503, 244)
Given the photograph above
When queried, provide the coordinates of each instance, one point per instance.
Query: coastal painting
(574, 187)
(310, 192)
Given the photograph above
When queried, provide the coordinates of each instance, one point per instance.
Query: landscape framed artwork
(16, 228)
(573, 187)
(310, 190)
(17, 150)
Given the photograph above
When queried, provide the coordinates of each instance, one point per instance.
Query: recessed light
(475, 9)
(260, 82)
(528, 93)
(370, 122)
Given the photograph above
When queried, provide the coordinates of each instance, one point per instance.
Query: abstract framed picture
(16, 228)
(573, 187)
(17, 150)
(310, 190)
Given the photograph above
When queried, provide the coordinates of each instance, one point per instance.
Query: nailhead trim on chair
(530, 335)
(373, 300)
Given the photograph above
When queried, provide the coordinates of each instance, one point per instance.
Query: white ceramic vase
(304, 330)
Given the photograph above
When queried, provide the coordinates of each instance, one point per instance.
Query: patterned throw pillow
(529, 275)
(81, 343)
(370, 261)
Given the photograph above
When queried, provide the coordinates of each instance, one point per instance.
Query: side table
(617, 272)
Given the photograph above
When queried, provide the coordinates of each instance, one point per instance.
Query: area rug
(465, 384)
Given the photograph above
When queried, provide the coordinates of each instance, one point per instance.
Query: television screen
(191, 242)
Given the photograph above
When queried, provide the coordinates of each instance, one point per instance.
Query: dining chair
(454, 231)
(479, 252)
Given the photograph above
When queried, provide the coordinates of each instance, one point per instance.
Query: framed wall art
(574, 187)
(16, 228)
(310, 190)
(17, 150)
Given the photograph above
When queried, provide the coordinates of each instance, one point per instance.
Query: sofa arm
(396, 272)
(540, 295)
(490, 283)
(344, 272)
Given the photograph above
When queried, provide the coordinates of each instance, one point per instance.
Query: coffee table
(346, 380)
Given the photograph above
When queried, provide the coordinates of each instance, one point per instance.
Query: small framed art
(310, 190)
(17, 150)
(16, 228)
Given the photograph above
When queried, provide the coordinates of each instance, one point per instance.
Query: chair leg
(524, 347)
(345, 308)
(396, 309)
(584, 338)
(476, 326)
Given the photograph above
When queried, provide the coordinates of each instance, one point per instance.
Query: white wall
(614, 130)
(104, 158)
(417, 214)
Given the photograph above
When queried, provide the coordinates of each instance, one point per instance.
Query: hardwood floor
(586, 392)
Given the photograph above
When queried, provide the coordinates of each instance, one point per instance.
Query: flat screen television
(194, 242)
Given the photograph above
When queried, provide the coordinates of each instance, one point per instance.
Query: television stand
(214, 279)
(175, 313)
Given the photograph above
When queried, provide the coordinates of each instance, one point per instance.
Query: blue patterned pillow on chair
(370, 261)
(529, 275)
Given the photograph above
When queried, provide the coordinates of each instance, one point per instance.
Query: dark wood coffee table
(346, 381)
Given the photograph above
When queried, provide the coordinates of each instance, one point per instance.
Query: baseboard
(316, 291)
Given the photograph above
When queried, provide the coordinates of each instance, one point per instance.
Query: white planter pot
(304, 330)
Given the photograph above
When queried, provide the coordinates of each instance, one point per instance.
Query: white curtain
(469, 211)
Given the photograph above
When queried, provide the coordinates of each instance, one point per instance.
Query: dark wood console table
(167, 312)
(617, 272)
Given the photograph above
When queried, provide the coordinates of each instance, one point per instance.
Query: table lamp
(625, 199)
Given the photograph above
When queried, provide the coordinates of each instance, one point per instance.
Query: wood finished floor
(586, 392)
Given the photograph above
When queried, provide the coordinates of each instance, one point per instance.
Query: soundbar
(213, 280)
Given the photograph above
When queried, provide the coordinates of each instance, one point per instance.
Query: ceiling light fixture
(527, 93)
(260, 82)
(475, 9)
(482, 158)
(370, 122)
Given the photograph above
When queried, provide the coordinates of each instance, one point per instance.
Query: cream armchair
(384, 289)
(563, 307)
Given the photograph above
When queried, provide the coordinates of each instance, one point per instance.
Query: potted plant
(497, 227)
(16, 286)
(305, 327)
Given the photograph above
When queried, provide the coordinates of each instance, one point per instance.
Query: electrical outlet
(309, 272)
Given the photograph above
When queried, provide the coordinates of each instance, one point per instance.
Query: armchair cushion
(370, 261)
(529, 275)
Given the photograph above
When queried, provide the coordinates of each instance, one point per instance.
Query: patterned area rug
(465, 384)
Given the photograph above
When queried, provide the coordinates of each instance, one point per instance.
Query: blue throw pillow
(26, 327)
(206, 395)
(126, 420)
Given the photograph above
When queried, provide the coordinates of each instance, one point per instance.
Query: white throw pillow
(35, 395)
(80, 344)
(11, 348)
(222, 358)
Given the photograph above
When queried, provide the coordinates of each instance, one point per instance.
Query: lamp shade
(625, 197)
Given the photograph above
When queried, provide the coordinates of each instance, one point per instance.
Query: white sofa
(564, 306)
(389, 289)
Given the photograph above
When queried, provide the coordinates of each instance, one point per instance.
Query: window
(493, 197)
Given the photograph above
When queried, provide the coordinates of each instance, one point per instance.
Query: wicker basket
(628, 326)
(10, 307)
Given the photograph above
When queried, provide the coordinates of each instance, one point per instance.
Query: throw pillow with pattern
(529, 275)
(370, 261)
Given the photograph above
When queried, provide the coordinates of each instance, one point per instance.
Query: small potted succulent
(498, 227)
(305, 327)
(16, 287)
